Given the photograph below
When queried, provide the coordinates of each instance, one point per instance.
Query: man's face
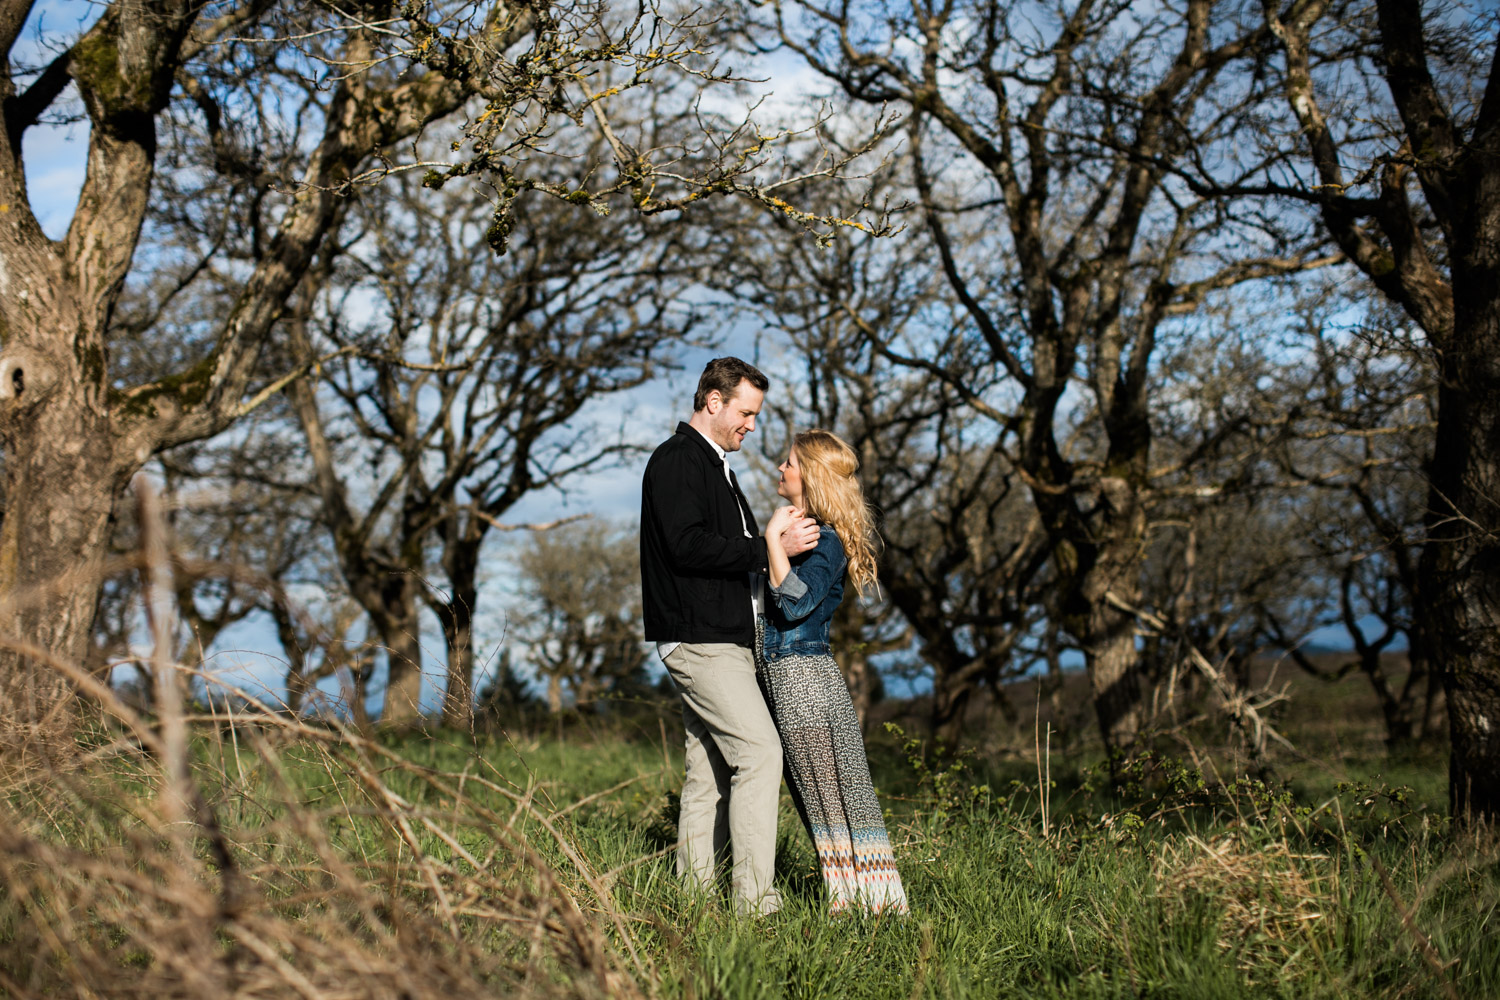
(731, 419)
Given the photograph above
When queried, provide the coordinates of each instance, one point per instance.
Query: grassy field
(278, 860)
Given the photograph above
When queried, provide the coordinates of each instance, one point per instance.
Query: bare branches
(1412, 279)
(1429, 129)
(1190, 297)
(580, 66)
(1243, 710)
(499, 525)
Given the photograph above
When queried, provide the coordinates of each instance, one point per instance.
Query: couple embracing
(740, 618)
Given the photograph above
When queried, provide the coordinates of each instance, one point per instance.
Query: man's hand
(800, 536)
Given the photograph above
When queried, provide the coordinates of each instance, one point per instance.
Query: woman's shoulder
(829, 540)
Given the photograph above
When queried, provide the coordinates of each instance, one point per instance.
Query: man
(701, 566)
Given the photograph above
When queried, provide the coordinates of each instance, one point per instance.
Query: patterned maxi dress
(830, 774)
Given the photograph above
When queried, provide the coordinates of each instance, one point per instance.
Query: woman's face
(790, 485)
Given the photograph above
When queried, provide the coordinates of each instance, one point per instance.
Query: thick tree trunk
(1105, 570)
(1461, 563)
(1458, 594)
(60, 476)
(1112, 662)
(401, 636)
(60, 482)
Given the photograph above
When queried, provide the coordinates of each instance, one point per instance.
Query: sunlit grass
(540, 864)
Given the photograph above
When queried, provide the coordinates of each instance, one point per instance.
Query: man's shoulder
(678, 447)
(673, 466)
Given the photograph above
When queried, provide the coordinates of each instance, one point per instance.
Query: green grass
(1181, 889)
(1330, 881)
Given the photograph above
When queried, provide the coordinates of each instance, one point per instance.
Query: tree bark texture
(1461, 562)
(395, 617)
(64, 460)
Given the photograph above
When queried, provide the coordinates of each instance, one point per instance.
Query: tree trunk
(853, 655)
(1395, 708)
(1458, 594)
(1461, 562)
(61, 475)
(1112, 660)
(361, 670)
(862, 682)
(298, 683)
(1105, 565)
(60, 481)
(463, 538)
(458, 637)
(64, 460)
(949, 703)
(400, 634)
(1434, 687)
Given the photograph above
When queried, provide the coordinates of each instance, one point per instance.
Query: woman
(820, 737)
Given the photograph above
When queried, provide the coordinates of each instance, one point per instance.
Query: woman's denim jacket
(798, 614)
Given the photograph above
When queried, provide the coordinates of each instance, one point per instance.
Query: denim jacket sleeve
(809, 582)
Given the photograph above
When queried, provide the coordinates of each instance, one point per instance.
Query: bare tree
(71, 438)
(1045, 147)
(963, 550)
(1413, 199)
(293, 106)
(1357, 440)
(581, 620)
(446, 406)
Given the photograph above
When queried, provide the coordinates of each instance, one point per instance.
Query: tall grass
(263, 856)
(312, 862)
(254, 855)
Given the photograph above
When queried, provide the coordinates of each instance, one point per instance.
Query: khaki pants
(733, 781)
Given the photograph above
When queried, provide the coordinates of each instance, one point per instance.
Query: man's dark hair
(725, 375)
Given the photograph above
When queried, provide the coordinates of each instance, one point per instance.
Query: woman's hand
(777, 563)
(779, 522)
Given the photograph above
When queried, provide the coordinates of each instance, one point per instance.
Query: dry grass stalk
(289, 860)
(1270, 898)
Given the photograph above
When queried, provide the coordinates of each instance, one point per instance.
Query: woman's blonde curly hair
(831, 493)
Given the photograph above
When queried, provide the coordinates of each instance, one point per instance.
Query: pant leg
(717, 684)
(703, 822)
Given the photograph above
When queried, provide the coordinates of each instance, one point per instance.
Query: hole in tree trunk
(18, 380)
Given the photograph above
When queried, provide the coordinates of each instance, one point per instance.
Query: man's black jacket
(695, 558)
